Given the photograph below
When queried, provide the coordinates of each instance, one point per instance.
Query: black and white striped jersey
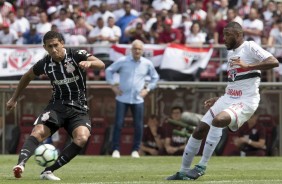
(66, 77)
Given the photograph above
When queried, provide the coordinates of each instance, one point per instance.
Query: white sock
(191, 149)
(212, 140)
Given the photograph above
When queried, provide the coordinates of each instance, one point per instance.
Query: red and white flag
(18, 60)
(151, 52)
(185, 59)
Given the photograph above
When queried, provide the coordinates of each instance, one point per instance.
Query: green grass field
(146, 170)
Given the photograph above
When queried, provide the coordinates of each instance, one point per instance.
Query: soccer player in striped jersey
(66, 69)
(235, 107)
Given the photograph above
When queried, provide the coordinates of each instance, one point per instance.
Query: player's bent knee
(201, 131)
(81, 140)
(40, 133)
(221, 121)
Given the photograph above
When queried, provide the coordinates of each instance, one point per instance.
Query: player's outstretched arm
(92, 62)
(24, 81)
(268, 63)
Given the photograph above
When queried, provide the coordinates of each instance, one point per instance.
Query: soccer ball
(45, 155)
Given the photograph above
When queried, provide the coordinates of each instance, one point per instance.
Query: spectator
(210, 29)
(7, 35)
(174, 143)
(100, 34)
(14, 23)
(251, 140)
(130, 92)
(169, 35)
(87, 9)
(160, 5)
(124, 21)
(120, 12)
(149, 20)
(244, 9)
(222, 11)
(81, 31)
(104, 13)
(138, 33)
(196, 36)
(77, 12)
(66, 4)
(5, 9)
(152, 143)
(32, 14)
(25, 25)
(196, 12)
(156, 28)
(64, 24)
(275, 39)
(279, 9)
(253, 27)
(52, 14)
(116, 30)
(268, 17)
(43, 26)
(231, 16)
(185, 27)
(175, 16)
(31, 36)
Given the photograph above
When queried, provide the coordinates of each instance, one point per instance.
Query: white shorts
(238, 110)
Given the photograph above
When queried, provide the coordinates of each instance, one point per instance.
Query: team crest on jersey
(232, 74)
(52, 64)
(69, 67)
(45, 116)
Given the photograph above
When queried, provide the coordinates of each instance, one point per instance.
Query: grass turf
(146, 170)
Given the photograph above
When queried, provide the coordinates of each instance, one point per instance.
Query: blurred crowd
(104, 22)
(152, 21)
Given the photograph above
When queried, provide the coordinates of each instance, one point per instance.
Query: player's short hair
(234, 25)
(52, 35)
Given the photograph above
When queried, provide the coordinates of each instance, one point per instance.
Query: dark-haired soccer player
(67, 107)
(236, 106)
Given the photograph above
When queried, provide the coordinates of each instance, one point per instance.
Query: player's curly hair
(234, 25)
(51, 35)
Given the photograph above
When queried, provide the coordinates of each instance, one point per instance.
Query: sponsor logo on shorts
(45, 116)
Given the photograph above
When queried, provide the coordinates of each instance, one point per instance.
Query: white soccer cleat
(135, 154)
(48, 175)
(18, 170)
(116, 154)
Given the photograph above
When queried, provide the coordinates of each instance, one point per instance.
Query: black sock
(67, 154)
(27, 150)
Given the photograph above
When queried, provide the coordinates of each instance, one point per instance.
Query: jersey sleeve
(258, 52)
(81, 55)
(38, 68)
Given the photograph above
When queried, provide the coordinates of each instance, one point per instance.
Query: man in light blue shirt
(130, 92)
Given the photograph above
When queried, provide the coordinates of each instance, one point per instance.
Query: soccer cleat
(135, 154)
(178, 176)
(18, 170)
(196, 172)
(116, 154)
(48, 175)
